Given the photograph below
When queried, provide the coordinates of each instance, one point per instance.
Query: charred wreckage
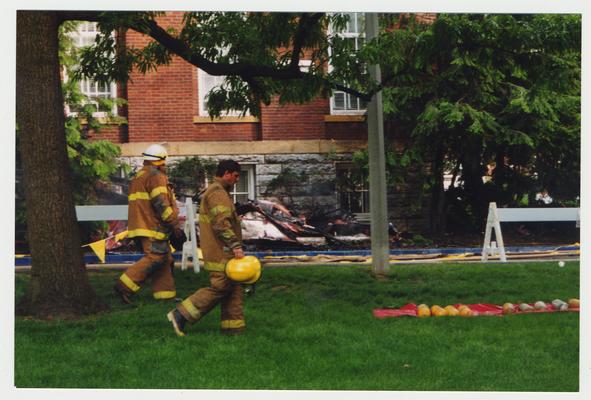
(268, 226)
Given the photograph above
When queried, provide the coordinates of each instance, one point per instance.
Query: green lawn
(312, 328)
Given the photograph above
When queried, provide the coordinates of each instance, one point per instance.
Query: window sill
(344, 118)
(224, 120)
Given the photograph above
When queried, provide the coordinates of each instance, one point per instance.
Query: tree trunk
(438, 220)
(59, 285)
(472, 172)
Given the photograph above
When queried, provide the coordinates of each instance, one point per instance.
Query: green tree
(469, 91)
(90, 160)
(188, 176)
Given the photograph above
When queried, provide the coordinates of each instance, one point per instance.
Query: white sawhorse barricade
(498, 215)
(119, 213)
(190, 249)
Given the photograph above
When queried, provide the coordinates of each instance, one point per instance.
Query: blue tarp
(114, 258)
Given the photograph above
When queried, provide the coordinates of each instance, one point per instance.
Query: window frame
(348, 35)
(201, 93)
(80, 37)
(250, 185)
(364, 205)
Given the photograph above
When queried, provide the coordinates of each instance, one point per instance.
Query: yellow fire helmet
(244, 270)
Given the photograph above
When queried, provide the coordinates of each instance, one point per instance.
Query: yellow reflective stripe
(158, 190)
(165, 294)
(214, 266)
(228, 234)
(233, 324)
(138, 196)
(191, 309)
(147, 233)
(167, 212)
(219, 210)
(126, 280)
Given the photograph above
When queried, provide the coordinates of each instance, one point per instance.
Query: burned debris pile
(271, 226)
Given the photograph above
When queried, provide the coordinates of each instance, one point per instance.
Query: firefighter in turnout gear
(152, 219)
(221, 240)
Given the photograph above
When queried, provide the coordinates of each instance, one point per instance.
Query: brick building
(315, 140)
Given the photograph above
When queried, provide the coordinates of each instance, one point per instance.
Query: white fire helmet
(155, 152)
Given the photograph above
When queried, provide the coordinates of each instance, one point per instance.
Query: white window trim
(330, 68)
(345, 112)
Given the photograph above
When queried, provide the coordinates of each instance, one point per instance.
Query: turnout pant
(222, 290)
(157, 264)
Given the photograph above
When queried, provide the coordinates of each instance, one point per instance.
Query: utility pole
(377, 164)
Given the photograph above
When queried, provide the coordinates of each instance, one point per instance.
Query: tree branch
(305, 23)
(93, 16)
(181, 49)
(246, 71)
(363, 96)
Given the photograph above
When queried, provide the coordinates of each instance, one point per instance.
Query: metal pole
(377, 165)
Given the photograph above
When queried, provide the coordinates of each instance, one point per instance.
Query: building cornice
(211, 148)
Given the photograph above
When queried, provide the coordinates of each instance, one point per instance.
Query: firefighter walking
(221, 240)
(152, 220)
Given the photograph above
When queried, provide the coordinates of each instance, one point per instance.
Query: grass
(312, 328)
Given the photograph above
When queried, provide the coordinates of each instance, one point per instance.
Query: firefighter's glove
(178, 238)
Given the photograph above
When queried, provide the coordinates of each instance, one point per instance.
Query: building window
(85, 36)
(354, 32)
(206, 83)
(243, 190)
(352, 188)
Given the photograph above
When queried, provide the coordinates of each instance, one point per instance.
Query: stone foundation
(317, 187)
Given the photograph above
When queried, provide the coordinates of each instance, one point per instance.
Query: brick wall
(346, 130)
(294, 121)
(162, 105)
(113, 133)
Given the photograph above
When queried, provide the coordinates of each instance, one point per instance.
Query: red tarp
(477, 310)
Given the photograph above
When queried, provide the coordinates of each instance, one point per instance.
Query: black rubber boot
(122, 294)
(178, 321)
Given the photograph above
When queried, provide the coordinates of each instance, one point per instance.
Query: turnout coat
(219, 226)
(152, 208)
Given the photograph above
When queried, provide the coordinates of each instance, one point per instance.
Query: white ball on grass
(561, 264)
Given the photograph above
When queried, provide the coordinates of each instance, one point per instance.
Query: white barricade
(101, 213)
(190, 246)
(498, 215)
(119, 213)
